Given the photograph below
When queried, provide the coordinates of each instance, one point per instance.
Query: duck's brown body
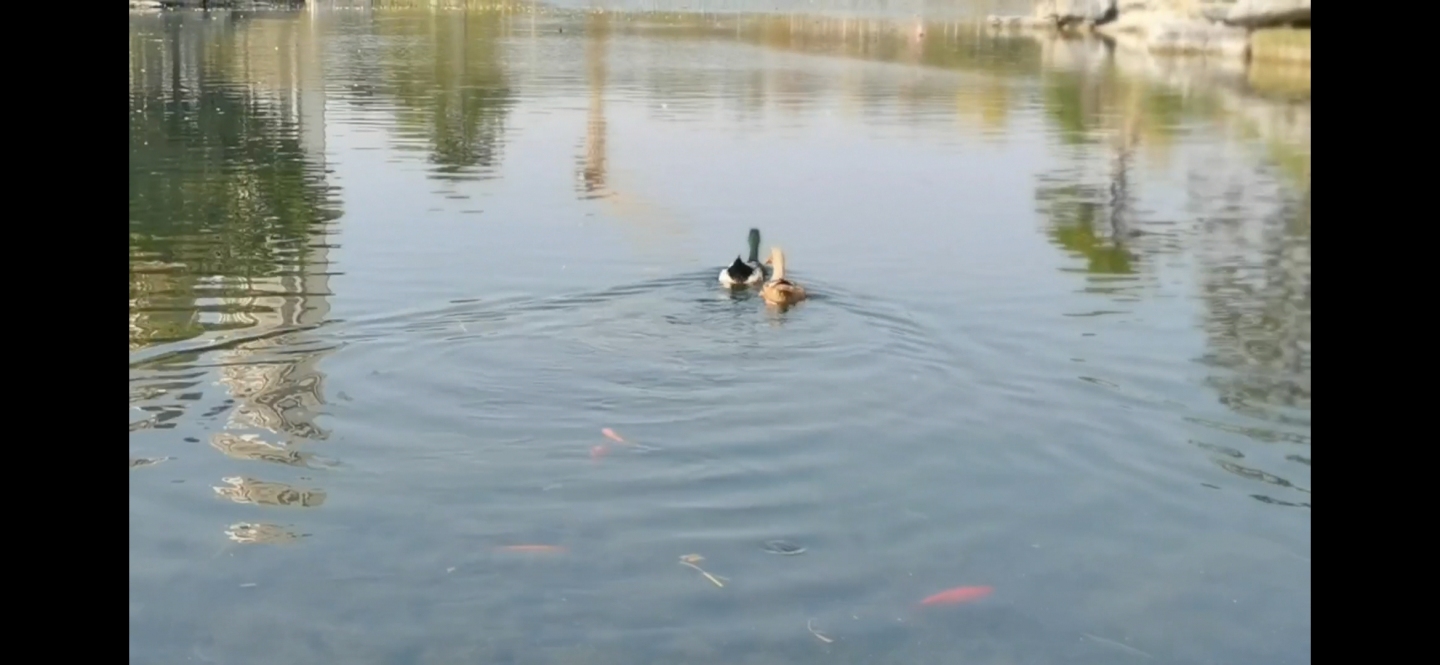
(780, 291)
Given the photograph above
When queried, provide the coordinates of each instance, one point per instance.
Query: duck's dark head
(739, 270)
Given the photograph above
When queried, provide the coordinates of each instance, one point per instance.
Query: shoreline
(1277, 31)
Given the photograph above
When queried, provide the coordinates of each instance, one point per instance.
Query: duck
(745, 273)
(780, 291)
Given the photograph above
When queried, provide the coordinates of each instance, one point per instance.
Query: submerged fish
(784, 547)
(962, 594)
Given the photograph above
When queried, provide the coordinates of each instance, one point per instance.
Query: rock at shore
(1277, 30)
(1210, 28)
(1066, 13)
(1254, 14)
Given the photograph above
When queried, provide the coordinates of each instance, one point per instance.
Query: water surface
(392, 272)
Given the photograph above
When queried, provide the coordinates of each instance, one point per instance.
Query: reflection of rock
(263, 493)
(247, 532)
(250, 447)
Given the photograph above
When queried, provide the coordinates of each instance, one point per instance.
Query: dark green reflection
(227, 181)
(1258, 319)
(450, 87)
(1079, 221)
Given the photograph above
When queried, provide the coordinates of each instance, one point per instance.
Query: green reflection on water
(227, 179)
(450, 87)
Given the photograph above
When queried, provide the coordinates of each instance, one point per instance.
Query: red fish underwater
(960, 594)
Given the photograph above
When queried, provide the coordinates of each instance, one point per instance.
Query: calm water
(393, 271)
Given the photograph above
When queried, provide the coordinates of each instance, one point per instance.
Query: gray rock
(1253, 14)
(1076, 12)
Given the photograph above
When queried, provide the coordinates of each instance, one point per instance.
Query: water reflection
(1255, 269)
(945, 45)
(262, 533)
(1089, 206)
(250, 447)
(230, 226)
(242, 489)
(1257, 297)
(138, 462)
(277, 393)
(451, 91)
(1083, 219)
(227, 181)
(478, 413)
(591, 164)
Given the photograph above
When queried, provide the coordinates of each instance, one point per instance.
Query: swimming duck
(745, 273)
(780, 291)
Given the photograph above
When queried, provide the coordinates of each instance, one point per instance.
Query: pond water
(393, 271)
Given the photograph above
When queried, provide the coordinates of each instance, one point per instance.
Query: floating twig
(707, 575)
(1118, 645)
(810, 625)
(691, 559)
